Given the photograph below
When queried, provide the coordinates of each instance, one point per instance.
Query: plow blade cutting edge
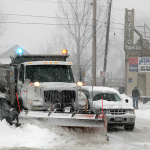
(62, 119)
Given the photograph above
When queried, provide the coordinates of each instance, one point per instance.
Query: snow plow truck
(40, 89)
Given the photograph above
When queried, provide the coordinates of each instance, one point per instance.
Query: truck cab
(41, 83)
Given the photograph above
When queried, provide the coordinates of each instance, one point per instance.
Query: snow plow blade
(62, 119)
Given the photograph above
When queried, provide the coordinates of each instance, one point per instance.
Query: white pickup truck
(118, 110)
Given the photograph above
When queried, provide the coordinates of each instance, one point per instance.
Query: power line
(31, 16)
(117, 21)
(48, 1)
(36, 23)
(138, 12)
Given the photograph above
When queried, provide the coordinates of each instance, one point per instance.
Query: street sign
(102, 74)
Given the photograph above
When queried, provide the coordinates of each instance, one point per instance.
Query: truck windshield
(107, 97)
(49, 73)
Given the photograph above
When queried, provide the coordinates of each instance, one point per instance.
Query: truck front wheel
(129, 127)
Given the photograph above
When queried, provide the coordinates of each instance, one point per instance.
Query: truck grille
(64, 96)
(118, 111)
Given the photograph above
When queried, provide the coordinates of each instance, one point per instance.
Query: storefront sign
(144, 64)
(133, 64)
(132, 47)
(129, 30)
(133, 68)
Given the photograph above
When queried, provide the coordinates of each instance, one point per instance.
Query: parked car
(118, 111)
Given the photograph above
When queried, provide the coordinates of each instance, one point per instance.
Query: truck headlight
(79, 83)
(36, 83)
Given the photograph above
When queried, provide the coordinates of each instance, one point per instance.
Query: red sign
(133, 61)
(102, 74)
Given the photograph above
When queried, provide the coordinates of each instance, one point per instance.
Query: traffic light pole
(94, 45)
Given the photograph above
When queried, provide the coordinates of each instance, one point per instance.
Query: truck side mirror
(27, 81)
(82, 74)
(126, 100)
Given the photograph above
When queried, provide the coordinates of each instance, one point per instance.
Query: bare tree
(76, 18)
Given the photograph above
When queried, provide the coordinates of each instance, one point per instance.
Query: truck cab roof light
(45, 62)
(50, 62)
(64, 51)
(19, 51)
(55, 62)
(29, 63)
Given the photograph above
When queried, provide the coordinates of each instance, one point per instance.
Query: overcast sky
(31, 37)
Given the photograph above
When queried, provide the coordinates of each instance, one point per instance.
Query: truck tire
(129, 127)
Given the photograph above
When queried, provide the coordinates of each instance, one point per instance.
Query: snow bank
(143, 111)
(32, 136)
(144, 106)
(27, 136)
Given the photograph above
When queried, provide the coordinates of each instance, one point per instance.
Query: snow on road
(62, 138)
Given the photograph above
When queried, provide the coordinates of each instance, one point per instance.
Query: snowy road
(31, 137)
(139, 138)
(58, 138)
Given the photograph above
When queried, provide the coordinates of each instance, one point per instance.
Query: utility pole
(94, 45)
(78, 43)
(107, 41)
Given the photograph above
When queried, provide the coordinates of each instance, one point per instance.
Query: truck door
(20, 85)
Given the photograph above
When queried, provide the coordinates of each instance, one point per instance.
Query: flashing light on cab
(19, 51)
(64, 52)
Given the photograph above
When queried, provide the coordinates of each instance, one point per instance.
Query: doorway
(142, 84)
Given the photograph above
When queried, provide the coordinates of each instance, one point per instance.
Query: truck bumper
(120, 119)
